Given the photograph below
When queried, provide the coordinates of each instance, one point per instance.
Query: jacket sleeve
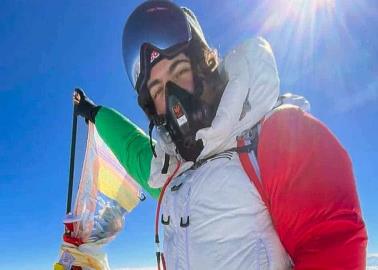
(129, 144)
(310, 190)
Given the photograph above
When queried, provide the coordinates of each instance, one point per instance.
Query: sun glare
(299, 11)
(296, 24)
(314, 5)
(314, 39)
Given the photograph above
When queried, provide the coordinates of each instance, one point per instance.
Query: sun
(298, 25)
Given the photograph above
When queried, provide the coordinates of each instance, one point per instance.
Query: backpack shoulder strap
(247, 150)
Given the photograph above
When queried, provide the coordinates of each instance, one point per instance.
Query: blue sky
(328, 53)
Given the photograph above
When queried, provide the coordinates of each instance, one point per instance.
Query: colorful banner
(106, 193)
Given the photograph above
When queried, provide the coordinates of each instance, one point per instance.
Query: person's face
(178, 70)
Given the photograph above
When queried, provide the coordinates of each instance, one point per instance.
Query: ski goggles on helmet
(155, 29)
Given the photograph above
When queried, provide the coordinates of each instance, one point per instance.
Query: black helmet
(156, 28)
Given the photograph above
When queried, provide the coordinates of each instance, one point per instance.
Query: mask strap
(150, 128)
(164, 170)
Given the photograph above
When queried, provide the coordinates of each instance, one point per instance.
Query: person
(247, 181)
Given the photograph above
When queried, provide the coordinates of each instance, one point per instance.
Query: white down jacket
(213, 217)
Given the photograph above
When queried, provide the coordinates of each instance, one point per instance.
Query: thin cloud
(372, 261)
(363, 97)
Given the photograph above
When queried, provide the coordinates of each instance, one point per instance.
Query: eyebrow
(170, 70)
(152, 84)
(176, 63)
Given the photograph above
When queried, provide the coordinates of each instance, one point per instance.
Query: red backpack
(305, 178)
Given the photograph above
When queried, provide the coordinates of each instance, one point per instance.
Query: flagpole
(72, 160)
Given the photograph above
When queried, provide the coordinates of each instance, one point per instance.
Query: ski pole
(72, 160)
